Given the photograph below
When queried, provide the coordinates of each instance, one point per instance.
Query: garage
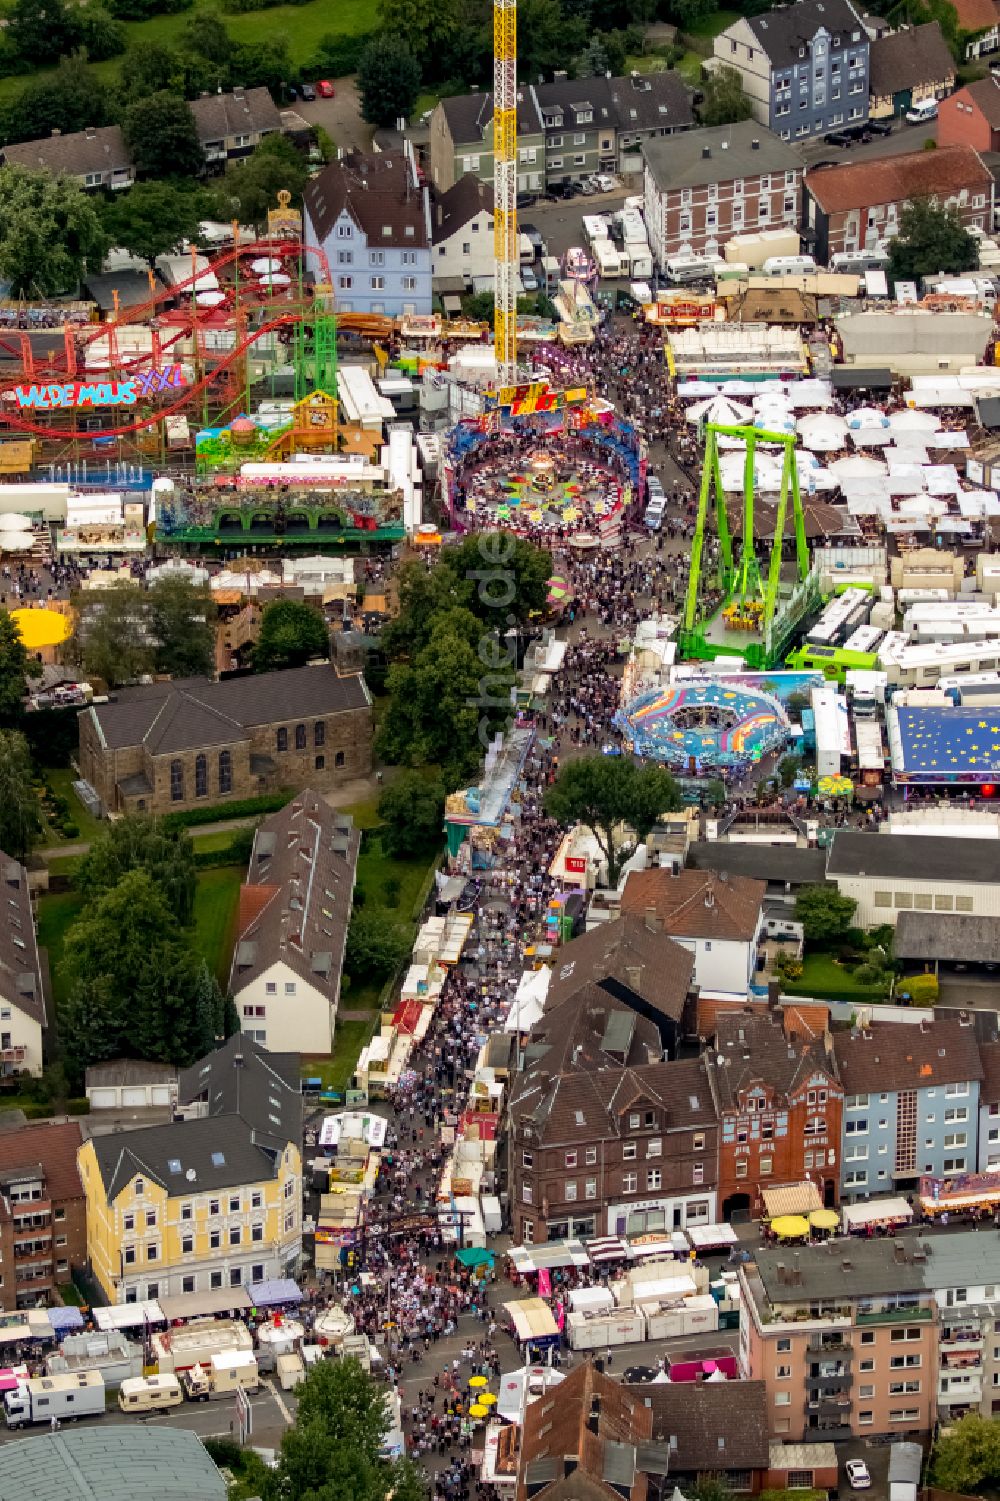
(103, 1099)
(135, 1097)
(161, 1095)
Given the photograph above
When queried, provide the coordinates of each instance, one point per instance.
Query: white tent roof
(856, 467)
(912, 421)
(863, 417)
(719, 409)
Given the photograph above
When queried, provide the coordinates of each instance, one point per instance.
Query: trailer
(626, 1326)
(43, 1398)
(975, 1194)
(608, 260)
(195, 1343)
(906, 1463)
(227, 1372)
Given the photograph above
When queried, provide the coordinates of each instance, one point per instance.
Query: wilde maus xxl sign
(108, 393)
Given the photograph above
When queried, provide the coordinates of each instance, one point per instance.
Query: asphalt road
(560, 224)
(904, 138)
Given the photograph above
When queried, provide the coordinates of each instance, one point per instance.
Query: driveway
(340, 116)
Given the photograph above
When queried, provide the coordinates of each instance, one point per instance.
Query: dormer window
(802, 52)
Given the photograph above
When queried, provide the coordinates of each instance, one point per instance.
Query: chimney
(237, 93)
(706, 153)
(755, 145)
(709, 897)
(91, 132)
(654, 924)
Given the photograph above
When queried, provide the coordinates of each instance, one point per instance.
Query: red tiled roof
(976, 15)
(253, 900)
(696, 903)
(895, 179)
(55, 1146)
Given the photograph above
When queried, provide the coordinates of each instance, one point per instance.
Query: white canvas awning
(791, 1198)
(876, 1212)
(532, 1320)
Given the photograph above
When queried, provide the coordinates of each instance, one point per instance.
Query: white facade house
(717, 918)
(22, 998)
(887, 875)
(294, 911)
(462, 220)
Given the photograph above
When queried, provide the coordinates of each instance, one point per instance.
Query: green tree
(247, 191)
(43, 30)
(545, 38)
(967, 1458)
(687, 13)
(388, 79)
(412, 811)
(207, 36)
(13, 670)
(112, 638)
(137, 843)
(608, 792)
(375, 944)
(181, 618)
(290, 634)
(49, 232)
(150, 68)
(133, 982)
(71, 98)
(424, 24)
(931, 238)
(825, 915)
(20, 820)
(497, 574)
(725, 99)
(162, 136)
(788, 769)
(101, 36)
(264, 65)
(151, 219)
(593, 60)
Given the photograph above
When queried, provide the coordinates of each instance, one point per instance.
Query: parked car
(922, 113)
(604, 182)
(655, 488)
(880, 127)
(529, 280)
(325, 89)
(837, 138)
(857, 1475)
(308, 92)
(587, 188)
(526, 200)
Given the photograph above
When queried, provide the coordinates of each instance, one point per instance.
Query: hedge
(247, 807)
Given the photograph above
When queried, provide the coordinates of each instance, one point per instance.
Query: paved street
(904, 138)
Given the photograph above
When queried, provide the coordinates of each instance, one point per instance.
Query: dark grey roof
(132, 288)
(115, 1461)
(782, 32)
(20, 969)
(948, 936)
(650, 101)
(79, 153)
(242, 112)
(853, 1269)
(887, 1056)
(191, 712)
(904, 59)
(710, 1425)
(379, 193)
(194, 1156)
(762, 862)
(680, 161)
(925, 857)
(454, 209)
(469, 115)
(243, 1079)
(630, 955)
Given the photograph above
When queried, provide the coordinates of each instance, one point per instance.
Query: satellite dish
(190, 1175)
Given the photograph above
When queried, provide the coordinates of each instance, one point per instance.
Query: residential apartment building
(908, 66)
(567, 129)
(230, 126)
(292, 926)
(43, 1220)
(892, 873)
(23, 1015)
(856, 205)
(463, 231)
(716, 917)
(804, 67)
(174, 745)
(778, 1102)
(189, 1207)
(371, 217)
(705, 186)
(845, 1337)
(911, 1103)
(971, 116)
(604, 1138)
(588, 1438)
(979, 20)
(989, 1108)
(96, 157)
(962, 1270)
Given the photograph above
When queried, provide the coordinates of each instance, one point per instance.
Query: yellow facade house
(193, 1207)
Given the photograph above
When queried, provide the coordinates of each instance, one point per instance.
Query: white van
(683, 270)
(526, 251)
(149, 1393)
(920, 113)
(788, 265)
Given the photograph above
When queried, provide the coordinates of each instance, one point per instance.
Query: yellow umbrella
(478, 1381)
(477, 1410)
(824, 1219)
(790, 1226)
(486, 1399)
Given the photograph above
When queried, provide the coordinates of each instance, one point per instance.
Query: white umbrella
(774, 422)
(210, 299)
(263, 264)
(802, 394)
(864, 417)
(871, 437)
(909, 420)
(856, 467)
(922, 505)
(823, 432)
(721, 410)
(15, 522)
(16, 542)
(278, 279)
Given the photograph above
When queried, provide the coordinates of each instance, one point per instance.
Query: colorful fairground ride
(578, 266)
(759, 611)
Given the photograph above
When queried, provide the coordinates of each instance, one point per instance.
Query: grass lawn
(349, 1038)
(63, 865)
(215, 916)
(822, 976)
(689, 67)
(302, 24)
(55, 914)
(711, 25)
(61, 779)
(206, 844)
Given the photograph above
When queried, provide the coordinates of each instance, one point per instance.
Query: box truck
(43, 1398)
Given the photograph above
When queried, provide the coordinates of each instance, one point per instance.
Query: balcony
(828, 1428)
(834, 1381)
(961, 1340)
(13, 1055)
(896, 1316)
(831, 1344)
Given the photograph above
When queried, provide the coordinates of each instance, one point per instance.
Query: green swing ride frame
(741, 579)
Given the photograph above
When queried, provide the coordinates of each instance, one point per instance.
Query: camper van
(788, 265)
(149, 1393)
(685, 270)
(857, 262)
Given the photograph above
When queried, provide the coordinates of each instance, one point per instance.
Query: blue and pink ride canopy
(704, 725)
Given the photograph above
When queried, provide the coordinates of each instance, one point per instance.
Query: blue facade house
(371, 216)
(911, 1104)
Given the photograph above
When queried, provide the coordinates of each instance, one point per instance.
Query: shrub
(921, 990)
(245, 807)
(70, 829)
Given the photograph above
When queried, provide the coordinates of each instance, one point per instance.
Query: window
(300, 737)
(527, 1159)
(630, 1183)
(590, 1188)
(177, 781)
(654, 1146)
(187, 1211)
(698, 1173)
(956, 1091)
(783, 1372)
(868, 1364)
(319, 763)
(234, 1199)
(570, 1193)
(271, 987)
(782, 1399)
(338, 759)
(741, 1167)
(225, 771)
(571, 1159)
(319, 733)
(257, 1233)
(866, 1417)
(187, 1245)
(344, 257)
(345, 283)
(213, 1206)
(866, 1391)
(628, 1151)
(153, 1251)
(470, 164)
(282, 739)
(128, 1255)
(189, 1284)
(128, 1222)
(654, 1178)
(378, 283)
(698, 1141)
(377, 258)
(289, 990)
(526, 1193)
(150, 1219)
(590, 1157)
(766, 1167)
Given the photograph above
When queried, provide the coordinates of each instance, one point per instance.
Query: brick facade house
(971, 117)
(705, 186)
(856, 205)
(779, 1105)
(43, 1212)
(176, 745)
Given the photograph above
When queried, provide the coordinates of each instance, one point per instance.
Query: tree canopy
(607, 792)
(180, 617)
(376, 943)
(291, 633)
(931, 238)
(412, 810)
(49, 232)
(967, 1458)
(725, 99)
(136, 843)
(161, 134)
(151, 219)
(112, 640)
(14, 665)
(825, 915)
(248, 190)
(20, 819)
(388, 80)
